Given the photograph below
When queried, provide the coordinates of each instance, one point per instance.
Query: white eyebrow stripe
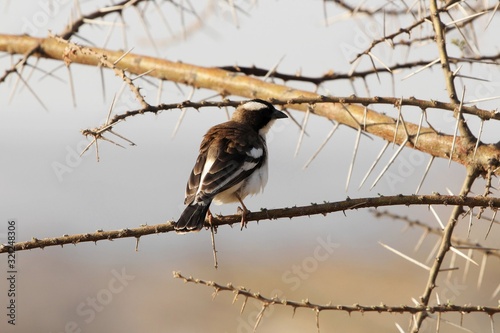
(254, 106)
(255, 152)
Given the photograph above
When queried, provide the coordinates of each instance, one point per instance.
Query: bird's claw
(243, 212)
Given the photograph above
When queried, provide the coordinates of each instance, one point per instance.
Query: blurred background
(109, 286)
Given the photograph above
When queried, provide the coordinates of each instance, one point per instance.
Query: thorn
(103, 83)
(481, 271)
(317, 320)
(491, 17)
(336, 125)
(491, 224)
(31, 90)
(374, 68)
(425, 174)
(380, 61)
(404, 256)
(377, 159)
(88, 146)
(183, 113)
(259, 316)
(393, 158)
(97, 149)
(437, 217)
(110, 109)
(351, 167)
(471, 215)
(467, 266)
(478, 137)
(142, 74)
(244, 304)
(421, 240)
(122, 56)
(147, 31)
(421, 69)
(495, 293)
(482, 100)
(465, 18)
(452, 248)
(160, 89)
(122, 137)
(71, 86)
(273, 69)
(400, 329)
(301, 136)
(419, 127)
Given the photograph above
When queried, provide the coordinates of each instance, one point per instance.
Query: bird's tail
(192, 218)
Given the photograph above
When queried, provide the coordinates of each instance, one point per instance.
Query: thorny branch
(455, 241)
(448, 74)
(266, 301)
(362, 74)
(391, 37)
(264, 214)
(227, 83)
(444, 248)
(69, 31)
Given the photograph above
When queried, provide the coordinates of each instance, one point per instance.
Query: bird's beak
(279, 114)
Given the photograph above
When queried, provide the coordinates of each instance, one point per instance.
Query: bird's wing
(194, 179)
(228, 155)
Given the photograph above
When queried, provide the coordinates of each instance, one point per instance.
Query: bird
(232, 164)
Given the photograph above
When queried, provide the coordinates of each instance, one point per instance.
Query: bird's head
(258, 114)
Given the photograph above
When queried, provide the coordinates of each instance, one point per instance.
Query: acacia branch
(266, 301)
(456, 241)
(449, 76)
(227, 83)
(264, 214)
(332, 75)
(70, 30)
(412, 101)
(443, 248)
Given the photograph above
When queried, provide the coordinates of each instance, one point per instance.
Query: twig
(444, 247)
(442, 308)
(264, 214)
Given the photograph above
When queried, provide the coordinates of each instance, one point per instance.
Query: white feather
(255, 152)
(206, 169)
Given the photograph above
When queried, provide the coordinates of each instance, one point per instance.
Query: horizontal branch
(266, 301)
(485, 157)
(455, 241)
(360, 74)
(412, 101)
(264, 214)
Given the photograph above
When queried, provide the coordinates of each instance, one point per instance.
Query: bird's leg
(209, 216)
(244, 212)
